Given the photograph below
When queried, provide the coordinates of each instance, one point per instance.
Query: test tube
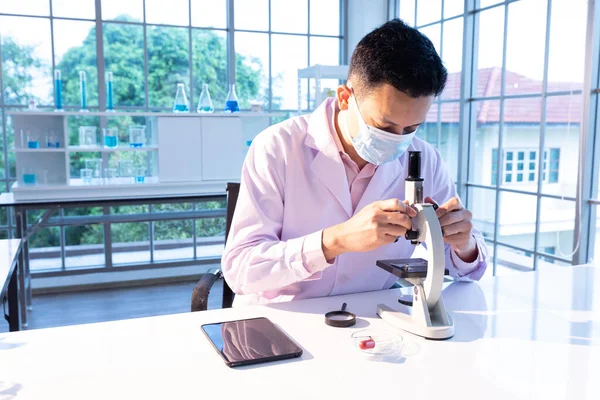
(58, 90)
(83, 91)
(109, 92)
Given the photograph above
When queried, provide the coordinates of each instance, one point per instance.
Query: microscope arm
(427, 224)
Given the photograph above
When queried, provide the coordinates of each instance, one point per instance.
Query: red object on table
(366, 344)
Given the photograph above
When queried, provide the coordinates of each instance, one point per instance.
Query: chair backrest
(233, 190)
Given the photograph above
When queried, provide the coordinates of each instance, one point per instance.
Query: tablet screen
(250, 340)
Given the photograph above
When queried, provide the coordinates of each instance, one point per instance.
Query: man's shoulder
(283, 135)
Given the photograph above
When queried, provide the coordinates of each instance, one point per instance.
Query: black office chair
(202, 289)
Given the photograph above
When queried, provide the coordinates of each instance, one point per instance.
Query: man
(321, 196)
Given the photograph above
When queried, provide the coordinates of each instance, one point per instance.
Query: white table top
(521, 336)
(9, 249)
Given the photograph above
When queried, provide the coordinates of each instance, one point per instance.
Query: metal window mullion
(270, 61)
(151, 235)
(467, 122)
(500, 169)
(344, 56)
(63, 240)
(194, 232)
(533, 253)
(542, 140)
(308, 64)
(107, 230)
(146, 80)
(231, 42)
(526, 95)
(190, 60)
(416, 8)
(439, 105)
(52, 51)
(587, 182)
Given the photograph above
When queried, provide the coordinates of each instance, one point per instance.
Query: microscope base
(434, 323)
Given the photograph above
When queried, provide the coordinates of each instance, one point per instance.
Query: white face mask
(375, 145)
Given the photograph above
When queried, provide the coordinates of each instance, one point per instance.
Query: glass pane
(26, 60)
(482, 203)
(596, 253)
(433, 32)
(75, 50)
(209, 13)
(130, 242)
(407, 11)
(522, 134)
(173, 240)
(30, 7)
(325, 17)
(324, 51)
(44, 250)
(124, 57)
(209, 58)
(10, 143)
(3, 234)
(453, 8)
(452, 56)
(210, 234)
(449, 137)
(429, 11)
(289, 16)
(484, 143)
(251, 14)
(172, 12)
(557, 224)
(489, 63)
(252, 67)
(517, 228)
(512, 261)
(567, 45)
(168, 64)
(525, 59)
(562, 138)
(74, 8)
(289, 53)
(3, 215)
(123, 10)
(2, 164)
(84, 246)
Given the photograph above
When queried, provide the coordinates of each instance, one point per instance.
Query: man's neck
(347, 144)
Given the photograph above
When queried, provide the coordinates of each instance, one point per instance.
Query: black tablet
(250, 341)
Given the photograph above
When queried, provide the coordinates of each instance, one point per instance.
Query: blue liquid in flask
(181, 108)
(232, 106)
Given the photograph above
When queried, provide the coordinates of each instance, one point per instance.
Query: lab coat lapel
(381, 182)
(327, 164)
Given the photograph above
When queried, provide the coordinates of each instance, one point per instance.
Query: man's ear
(343, 94)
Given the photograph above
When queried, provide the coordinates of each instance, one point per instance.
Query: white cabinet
(180, 144)
(223, 148)
(195, 153)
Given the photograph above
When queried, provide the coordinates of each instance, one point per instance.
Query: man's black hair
(400, 56)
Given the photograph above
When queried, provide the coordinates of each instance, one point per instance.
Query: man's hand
(456, 224)
(377, 224)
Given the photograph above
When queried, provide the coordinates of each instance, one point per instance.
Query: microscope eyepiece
(414, 166)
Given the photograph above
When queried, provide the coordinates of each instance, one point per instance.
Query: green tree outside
(168, 64)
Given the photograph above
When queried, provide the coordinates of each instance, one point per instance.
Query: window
(520, 166)
(149, 46)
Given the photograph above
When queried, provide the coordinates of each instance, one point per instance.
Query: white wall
(363, 17)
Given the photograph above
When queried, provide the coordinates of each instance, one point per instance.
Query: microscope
(424, 313)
